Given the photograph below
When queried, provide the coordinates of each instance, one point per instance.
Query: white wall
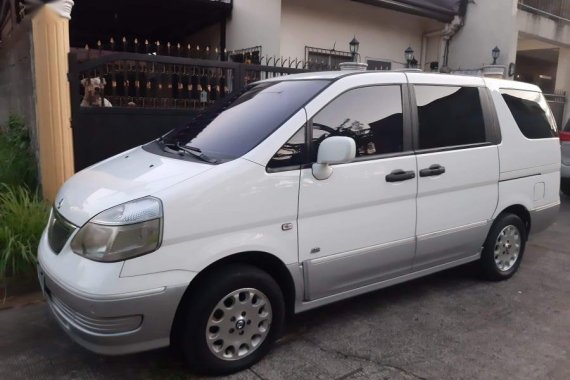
(383, 34)
(540, 27)
(254, 23)
(488, 23)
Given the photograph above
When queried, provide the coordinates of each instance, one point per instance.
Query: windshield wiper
(196, 152)
(191, 150)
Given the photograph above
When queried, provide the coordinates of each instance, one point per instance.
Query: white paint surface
(255, 23)
(487, 24)
(383, 34)
(543, 28)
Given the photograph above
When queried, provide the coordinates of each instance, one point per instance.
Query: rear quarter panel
(529, 168)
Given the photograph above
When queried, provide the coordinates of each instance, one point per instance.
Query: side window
(291, 154)
(372, 116)
(449, 116)
(531, 112)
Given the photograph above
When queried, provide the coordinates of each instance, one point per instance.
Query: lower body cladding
(542, 217)
(358, 272)
(329, 275)
(114, 325)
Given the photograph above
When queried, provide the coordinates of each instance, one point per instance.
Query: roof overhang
(441, 10)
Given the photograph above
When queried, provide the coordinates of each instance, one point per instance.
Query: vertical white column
(563, 80)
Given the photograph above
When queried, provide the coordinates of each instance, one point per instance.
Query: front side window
(372, 116)
(531, 113)
(449, 116)
(292, 154)
(236, 125)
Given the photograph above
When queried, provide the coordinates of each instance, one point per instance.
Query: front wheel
(232, 320)
(503, 250)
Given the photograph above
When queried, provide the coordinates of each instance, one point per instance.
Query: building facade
(531, 37)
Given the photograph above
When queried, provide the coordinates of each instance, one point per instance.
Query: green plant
(23, 216)
(17, 162)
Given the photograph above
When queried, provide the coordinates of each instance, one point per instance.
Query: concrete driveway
(450, 325)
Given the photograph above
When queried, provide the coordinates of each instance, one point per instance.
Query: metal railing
(125, 79)
(556, 9)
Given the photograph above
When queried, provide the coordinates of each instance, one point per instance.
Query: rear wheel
(504, 248)
(232, 320)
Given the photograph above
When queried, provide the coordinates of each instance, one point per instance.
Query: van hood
(119, 179)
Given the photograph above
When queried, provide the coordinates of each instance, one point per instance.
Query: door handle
(400, 175)
(433, 170)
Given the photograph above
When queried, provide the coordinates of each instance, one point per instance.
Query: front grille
(59, 231)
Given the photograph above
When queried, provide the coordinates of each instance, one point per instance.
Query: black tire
(565, 186)
(489, 267)
(198, 308)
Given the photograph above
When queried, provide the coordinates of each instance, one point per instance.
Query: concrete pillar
(563, 80)
(50, 36)
(487, 24)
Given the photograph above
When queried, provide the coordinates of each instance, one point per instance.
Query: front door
(358, 226)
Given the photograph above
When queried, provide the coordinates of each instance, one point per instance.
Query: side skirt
(301, 306)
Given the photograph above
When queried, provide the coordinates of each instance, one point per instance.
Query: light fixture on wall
(495, 53)
(354, 45)
(409, 55)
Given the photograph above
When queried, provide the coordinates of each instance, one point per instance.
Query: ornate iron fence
(124, 99)
(325, 59)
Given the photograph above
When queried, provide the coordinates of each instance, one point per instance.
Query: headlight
(121, 232)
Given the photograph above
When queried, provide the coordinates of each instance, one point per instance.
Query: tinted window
(531, 112)
(372, 116)
(234, 127)
(292, 153)
(449, 116)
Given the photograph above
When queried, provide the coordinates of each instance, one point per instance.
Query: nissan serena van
(294, 193)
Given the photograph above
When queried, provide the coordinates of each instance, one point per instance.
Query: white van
(297, 192)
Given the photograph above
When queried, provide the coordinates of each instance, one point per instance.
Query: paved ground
(449, 325)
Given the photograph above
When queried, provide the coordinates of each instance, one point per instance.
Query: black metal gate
(122, 100)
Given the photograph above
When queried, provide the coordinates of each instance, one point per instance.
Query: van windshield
(235, 125)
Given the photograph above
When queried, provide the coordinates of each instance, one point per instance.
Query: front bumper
(117, 324)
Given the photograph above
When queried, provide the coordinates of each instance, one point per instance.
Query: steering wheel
(325, 128)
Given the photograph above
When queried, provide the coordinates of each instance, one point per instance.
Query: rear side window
(531, 112)
(449, 116)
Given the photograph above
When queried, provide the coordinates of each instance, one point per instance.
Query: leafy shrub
(17, 162)
(23, 216)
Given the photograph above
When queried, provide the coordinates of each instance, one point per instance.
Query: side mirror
(333, 150)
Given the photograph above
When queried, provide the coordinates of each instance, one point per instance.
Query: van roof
(492, 83)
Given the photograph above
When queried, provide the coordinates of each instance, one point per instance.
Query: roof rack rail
(410, 70)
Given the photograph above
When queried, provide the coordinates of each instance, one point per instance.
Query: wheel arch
(522, 212)
(262, 260)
